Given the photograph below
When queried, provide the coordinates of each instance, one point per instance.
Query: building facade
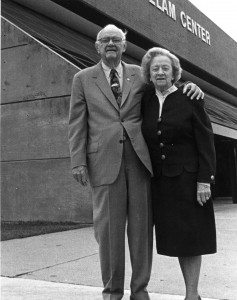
(44, 43)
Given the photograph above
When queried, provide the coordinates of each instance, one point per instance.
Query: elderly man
(108, 149)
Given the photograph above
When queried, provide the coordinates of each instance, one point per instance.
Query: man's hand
(193, 90)
(81, 175)
(203, 193)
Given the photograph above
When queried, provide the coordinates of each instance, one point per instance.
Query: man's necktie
(115, 86)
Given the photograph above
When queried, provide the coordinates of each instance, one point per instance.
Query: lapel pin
(128, 79)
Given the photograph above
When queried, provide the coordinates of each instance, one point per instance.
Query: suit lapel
(103, 84)
(128, 78)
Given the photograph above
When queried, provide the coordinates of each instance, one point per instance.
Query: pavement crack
(55, 265)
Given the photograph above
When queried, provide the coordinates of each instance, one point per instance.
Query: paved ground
(65, 266)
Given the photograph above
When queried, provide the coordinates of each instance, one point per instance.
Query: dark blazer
(182, 138)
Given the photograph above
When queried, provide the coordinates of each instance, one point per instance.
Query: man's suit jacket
(96, 124)
(181, 139)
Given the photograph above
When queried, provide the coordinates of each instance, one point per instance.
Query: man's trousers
(124, 204)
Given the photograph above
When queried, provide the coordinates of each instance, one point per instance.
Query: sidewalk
(27, 289)
(65, 266)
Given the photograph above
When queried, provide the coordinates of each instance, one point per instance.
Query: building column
(233, 170)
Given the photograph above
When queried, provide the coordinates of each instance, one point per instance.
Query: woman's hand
(203, 193)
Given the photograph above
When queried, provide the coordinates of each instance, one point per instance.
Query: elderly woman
(180, 140)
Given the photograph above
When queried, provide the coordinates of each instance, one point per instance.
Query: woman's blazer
(182, 138)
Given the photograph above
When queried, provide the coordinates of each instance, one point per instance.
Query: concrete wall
(36, 175)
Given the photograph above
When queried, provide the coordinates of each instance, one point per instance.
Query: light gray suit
(119, 171)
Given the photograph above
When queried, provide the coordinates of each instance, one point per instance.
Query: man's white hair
(113, 27)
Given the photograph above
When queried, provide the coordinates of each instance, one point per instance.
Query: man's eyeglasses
(115, 40)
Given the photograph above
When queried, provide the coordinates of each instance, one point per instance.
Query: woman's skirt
(183, 227)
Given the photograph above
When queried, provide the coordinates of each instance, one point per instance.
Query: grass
(18, 230)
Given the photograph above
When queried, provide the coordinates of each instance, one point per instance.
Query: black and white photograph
(118, 150)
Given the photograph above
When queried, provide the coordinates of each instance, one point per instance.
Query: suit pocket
(172, 170)
(92, 147)
(191, 167)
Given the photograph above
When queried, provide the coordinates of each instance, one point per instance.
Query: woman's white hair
(156, 51)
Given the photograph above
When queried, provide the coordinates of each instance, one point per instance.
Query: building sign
(186, 21)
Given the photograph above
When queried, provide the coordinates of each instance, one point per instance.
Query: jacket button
(161, 145)
(212, 177)
(120, 141)
(159, 132)
(159, 120)
(163, 157)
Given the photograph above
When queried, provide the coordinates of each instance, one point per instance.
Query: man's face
(111, 46)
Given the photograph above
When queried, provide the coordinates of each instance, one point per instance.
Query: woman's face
(161, 72)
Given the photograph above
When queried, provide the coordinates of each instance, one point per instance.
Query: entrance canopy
(223, 116)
